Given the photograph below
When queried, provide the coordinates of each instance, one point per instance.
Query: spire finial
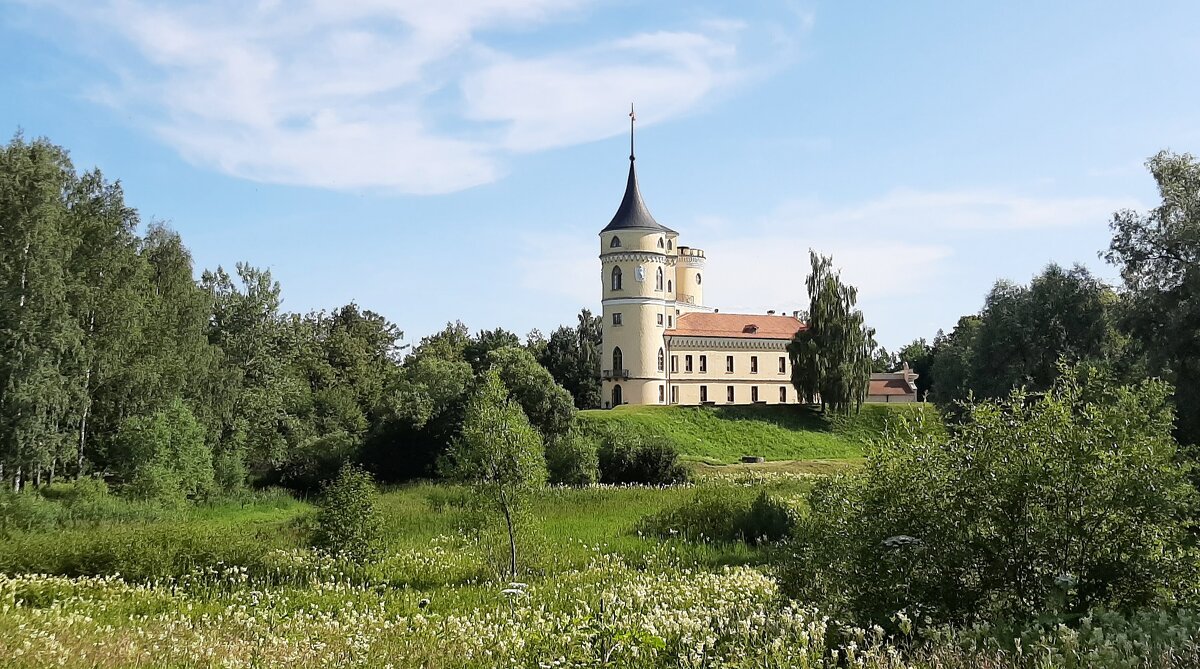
(632, 118)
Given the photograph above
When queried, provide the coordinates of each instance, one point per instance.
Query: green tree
(1069, 501)
(831, 355)
(500, 453)
(349, 523)
(546, 404)
(1158, 253)
(165, 457)
(39, 337)
(954, 361)
(918, 354)
(484, 342)
(572, 356)
(883, 361)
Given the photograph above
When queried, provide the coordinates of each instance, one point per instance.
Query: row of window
(616, 243)
(730, 394)
(618, 359)
(616, 319)
(658, 280)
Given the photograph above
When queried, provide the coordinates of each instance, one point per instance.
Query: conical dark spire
(633, 212)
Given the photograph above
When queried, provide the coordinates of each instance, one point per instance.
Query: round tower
(689, 280)
(638, 275)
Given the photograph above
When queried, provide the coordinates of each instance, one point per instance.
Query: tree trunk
(17, 480)
(87, 405)
(53, 462)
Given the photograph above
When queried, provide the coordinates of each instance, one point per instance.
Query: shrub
(315, 462)
(630, 458)
(723, 514)
(349, 523)
(1065, 502)
(571, 459)
(167, 458)
(26, 512)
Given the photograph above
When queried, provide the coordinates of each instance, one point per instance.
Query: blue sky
(442, 161)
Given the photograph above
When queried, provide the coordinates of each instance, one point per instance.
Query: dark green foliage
(572, 356)
(1068, 501)
(832, 355)
(634, 458)
(1158, 253)
(546, 404)
(317, 461)
(918, 355)
(1023, 332)
(723, 514)
(572, 459)
(349, 523)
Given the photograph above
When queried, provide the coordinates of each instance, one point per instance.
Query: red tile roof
(890, 387)
(742, 326)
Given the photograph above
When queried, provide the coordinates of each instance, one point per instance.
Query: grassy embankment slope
(721, 435)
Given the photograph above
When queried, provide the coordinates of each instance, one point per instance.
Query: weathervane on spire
(632, 118)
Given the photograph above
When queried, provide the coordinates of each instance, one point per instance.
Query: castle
(661, 343)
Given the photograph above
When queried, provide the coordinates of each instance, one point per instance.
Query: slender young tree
(500, 453)
(832, 355)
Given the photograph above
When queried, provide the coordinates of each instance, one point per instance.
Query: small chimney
(796, 314)
(770, 312)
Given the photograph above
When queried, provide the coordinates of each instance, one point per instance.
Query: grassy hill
(775, 432)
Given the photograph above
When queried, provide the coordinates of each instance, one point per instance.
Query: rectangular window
(674, 394)
(616, 318)
(754, 364)
(703, 393)
(783, 394)
(729, 364)
(687, 363)
(782, 364)
(703, 363)
(753, 393)
(660, 319)
(661, 394)
(729, 394)
(674, 364)
(670, 321)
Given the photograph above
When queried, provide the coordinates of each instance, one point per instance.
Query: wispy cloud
(409, 96)
(893, 247)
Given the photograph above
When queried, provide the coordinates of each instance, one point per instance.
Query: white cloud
(958, 210)
(894, 248)
(409, 96)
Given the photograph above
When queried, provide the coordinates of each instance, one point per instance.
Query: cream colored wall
(640, 304)
(768, 379)
(689, 280)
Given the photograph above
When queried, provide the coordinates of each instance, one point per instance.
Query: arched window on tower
(660, 242)
(618, 362)
(669, 289)
(616, 278)
(661, 360)
(615, 243)
(668, 245)
(658, 280)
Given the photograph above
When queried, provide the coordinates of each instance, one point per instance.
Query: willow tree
(831, 356)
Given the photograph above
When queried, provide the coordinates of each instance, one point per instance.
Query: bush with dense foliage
(724, 513)
(349, 523)
(572, 459)
(633, 458)
(1067, 501)
(166, 456)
